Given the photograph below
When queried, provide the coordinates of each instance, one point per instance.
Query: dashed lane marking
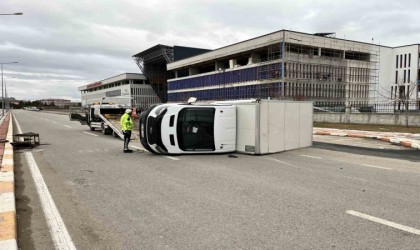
(90, 134)
(67, 126)
(313, 157)
(138, 148)
(282, 162)
(384, 222)
(373, 166)
(172, 158)
(169, 157)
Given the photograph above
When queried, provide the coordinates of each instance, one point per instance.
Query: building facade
(400, 73)
(127, 89)
(298, 66)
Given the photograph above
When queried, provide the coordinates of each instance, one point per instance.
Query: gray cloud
(63, 44)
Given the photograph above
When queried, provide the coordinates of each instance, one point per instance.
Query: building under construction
(281, 65)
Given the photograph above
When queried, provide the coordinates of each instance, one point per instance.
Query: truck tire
(106, 131)
(92, 128)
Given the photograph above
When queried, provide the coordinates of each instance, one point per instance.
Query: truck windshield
(154, 131)
(195, 129)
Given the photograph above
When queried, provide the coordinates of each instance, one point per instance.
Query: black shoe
(128, 151)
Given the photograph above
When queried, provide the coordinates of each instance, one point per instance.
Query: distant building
(130, 89)
(56, 102)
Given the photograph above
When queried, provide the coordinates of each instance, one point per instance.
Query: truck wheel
(108, 131)
(92, 128)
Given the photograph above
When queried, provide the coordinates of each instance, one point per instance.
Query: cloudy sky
(63, 44)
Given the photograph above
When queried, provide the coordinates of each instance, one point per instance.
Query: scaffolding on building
(152, 63)
(327, 75)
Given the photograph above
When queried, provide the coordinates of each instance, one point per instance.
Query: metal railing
(412, 107)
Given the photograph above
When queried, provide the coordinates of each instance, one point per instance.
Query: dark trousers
(127, 137)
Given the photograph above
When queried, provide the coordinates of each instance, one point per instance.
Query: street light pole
(7, 96)
(2, 87)
(17, 14)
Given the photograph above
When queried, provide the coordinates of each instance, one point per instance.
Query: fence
(380, 107)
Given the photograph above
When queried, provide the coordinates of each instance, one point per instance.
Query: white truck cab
(188, 128)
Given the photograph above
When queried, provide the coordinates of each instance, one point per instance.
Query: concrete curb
(8, 236)
(394, 139)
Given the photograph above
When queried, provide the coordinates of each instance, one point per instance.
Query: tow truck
(103, 116)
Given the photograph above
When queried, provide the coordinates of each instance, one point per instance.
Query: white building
(399, 72)
(130, 89)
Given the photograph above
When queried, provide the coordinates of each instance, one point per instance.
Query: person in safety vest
(127, 125)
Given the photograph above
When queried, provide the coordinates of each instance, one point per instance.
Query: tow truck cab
(188, 129)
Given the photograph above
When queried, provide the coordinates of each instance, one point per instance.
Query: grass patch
(368, 127)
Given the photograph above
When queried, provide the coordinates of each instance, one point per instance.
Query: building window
(409, 60)
(405, 76)
(401, 60)
(396, 62)
(405, 61)
(408, 77)
(396, 77)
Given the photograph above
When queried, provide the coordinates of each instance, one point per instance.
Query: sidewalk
(7, 188)
(403, 139)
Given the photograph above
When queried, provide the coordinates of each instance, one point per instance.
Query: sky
(61, 45)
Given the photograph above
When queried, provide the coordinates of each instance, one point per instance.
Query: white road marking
(90, 133)
(384, 222)
(373, 166)
(138, 147)
(58, 230)
(283, 162)
(54, 122)
(310, 156)
(67, 126)
(169, 157)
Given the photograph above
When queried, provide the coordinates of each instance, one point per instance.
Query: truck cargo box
(272, 126)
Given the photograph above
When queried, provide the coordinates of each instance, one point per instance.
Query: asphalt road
(342, 193)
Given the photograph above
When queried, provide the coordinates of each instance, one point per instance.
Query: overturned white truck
(248, 126)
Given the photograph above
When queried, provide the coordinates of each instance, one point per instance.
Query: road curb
(8, 236)
(362, 134)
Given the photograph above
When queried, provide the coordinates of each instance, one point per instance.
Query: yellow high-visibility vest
(126, 122)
